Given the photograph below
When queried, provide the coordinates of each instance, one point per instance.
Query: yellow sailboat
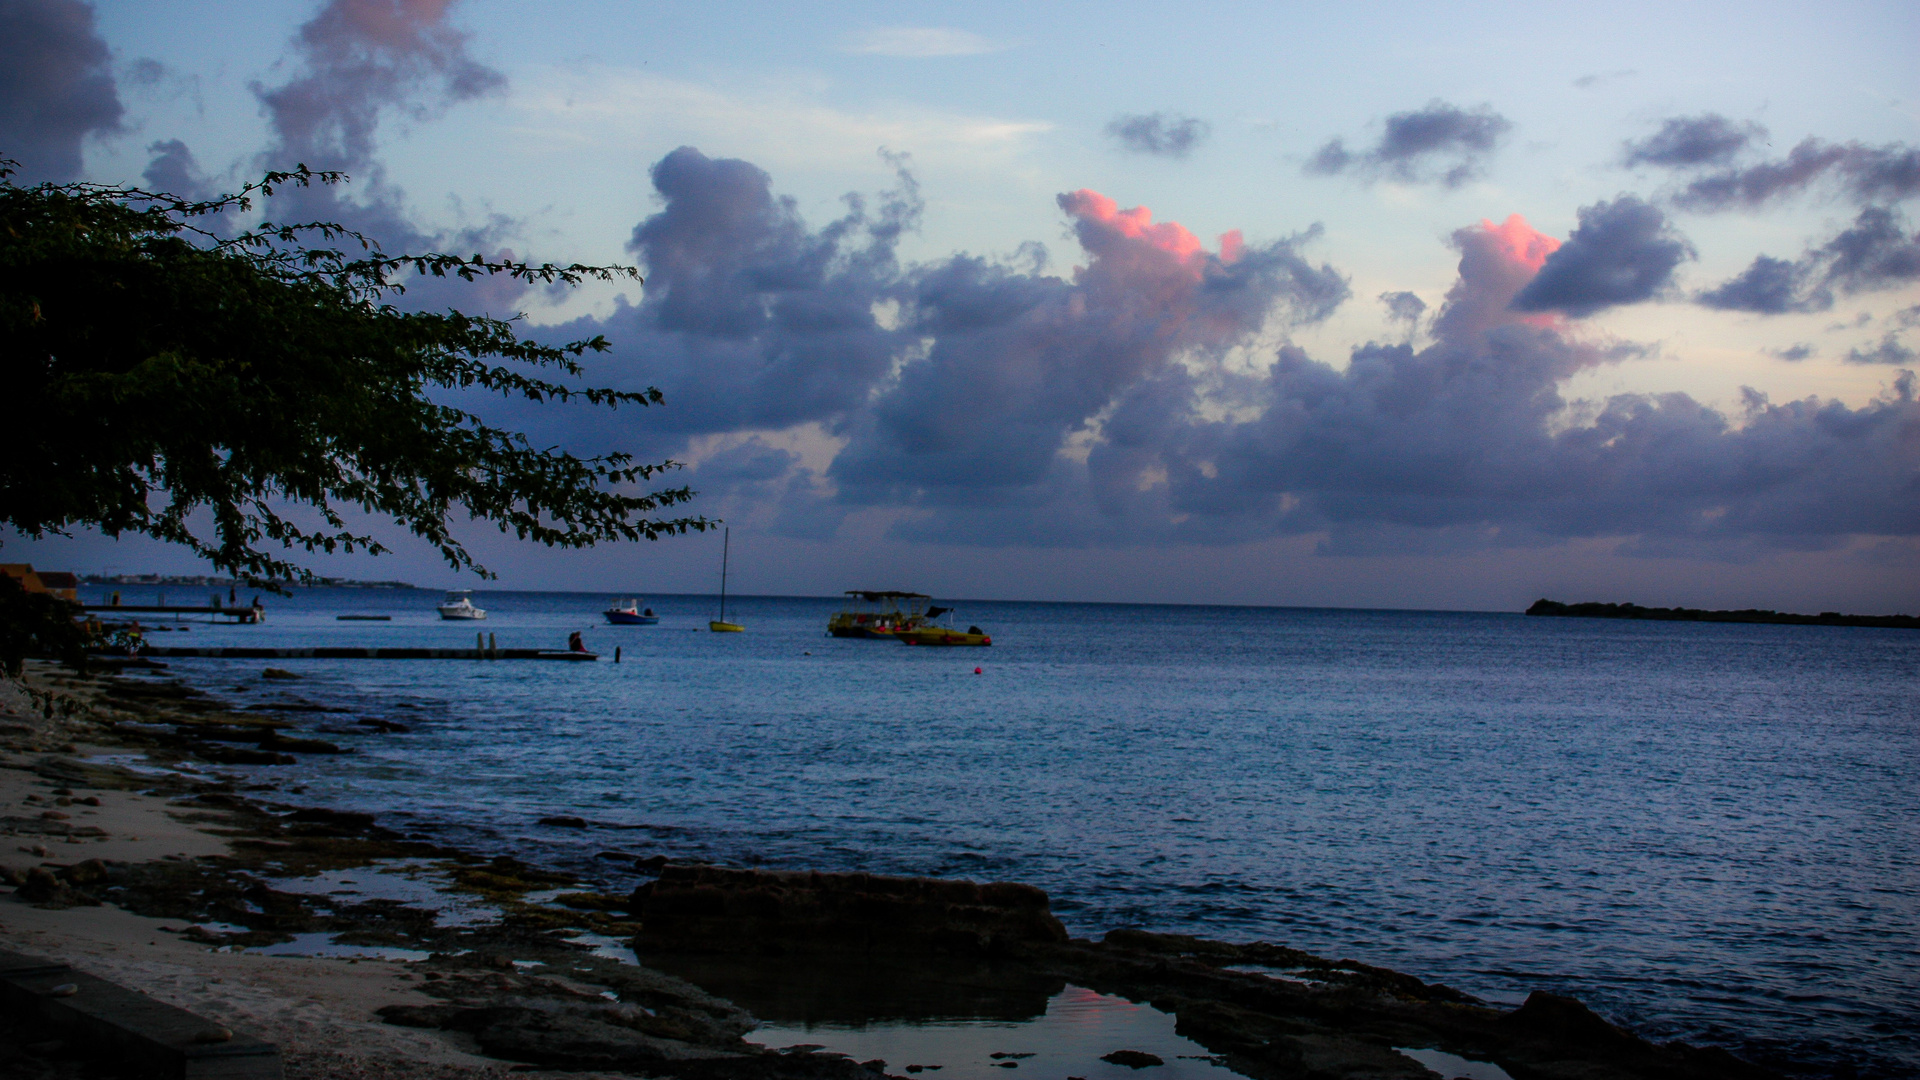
(721, 625)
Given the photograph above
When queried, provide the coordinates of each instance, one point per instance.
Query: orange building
(58, 583)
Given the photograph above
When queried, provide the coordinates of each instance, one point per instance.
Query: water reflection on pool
(1078, 1028)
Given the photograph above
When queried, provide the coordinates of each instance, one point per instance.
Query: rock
(1133, 1059)
(564, 821)
(441, 1017)
(713, 909)
(42, 889)
(284, 744)
(278, 673)
(651, 864)
(226, 755)
(1565, 1021)
(85, 873)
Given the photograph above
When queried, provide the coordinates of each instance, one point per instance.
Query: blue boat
(629, 613)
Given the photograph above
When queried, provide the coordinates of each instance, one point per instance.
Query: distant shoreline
(1748, 615)
(191, 580)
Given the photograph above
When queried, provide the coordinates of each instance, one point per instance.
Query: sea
(1707, 832)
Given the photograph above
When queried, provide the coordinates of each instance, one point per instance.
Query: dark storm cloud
(1622, 252)
(1876, 252)
(1693, 141)
(1159, 134)
(56, 86)
(1859, 173)
(1439, 142)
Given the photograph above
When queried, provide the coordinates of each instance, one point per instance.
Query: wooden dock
(332, 652)
(246, 615)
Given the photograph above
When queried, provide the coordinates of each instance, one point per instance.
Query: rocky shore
(182, 884)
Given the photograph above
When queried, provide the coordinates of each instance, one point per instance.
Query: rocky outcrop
(713, 909)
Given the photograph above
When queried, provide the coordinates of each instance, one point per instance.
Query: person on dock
(574, 644)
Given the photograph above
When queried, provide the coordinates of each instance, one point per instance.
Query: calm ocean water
(1708, 832)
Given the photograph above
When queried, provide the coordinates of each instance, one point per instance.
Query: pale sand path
(319, 1010)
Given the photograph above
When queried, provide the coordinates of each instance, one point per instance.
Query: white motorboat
(459, 605)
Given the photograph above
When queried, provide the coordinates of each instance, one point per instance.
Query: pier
(332, 652)
(243, 615)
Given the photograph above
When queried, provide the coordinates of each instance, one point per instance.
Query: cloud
(921, 41)
(1874, 253)
(1622, 252)
(1601, 78)
(1768, 286)
(1404, 309)
(750, 319)
(357, 61)
(1891, 350)
(623, 109)
(1440, 142)
(56, 86)
(1465, 444)
(1862, 174)
(361, 57)
(1019, 365)
(172, 169)
(1793, 353)
(1685, 142)
(981, 402)
(1159, 134)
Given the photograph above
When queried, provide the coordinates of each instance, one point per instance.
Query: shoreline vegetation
(1749, 615)
(130, 855)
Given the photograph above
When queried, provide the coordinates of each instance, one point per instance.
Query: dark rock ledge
(750, 930)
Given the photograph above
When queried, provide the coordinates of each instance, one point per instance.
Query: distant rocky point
(1749, 615)
(217, 582)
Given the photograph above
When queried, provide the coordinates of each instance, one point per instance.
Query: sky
(1367, 305)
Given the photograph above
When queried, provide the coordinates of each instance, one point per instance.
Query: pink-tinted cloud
(1496, 262)
(1103, 224)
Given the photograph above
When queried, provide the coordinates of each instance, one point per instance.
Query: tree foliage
(234, 393)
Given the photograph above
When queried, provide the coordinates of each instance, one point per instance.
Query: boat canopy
(872, 596)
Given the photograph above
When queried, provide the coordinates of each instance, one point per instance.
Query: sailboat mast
(726, 544)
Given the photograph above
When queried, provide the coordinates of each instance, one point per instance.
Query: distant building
(54, 582)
